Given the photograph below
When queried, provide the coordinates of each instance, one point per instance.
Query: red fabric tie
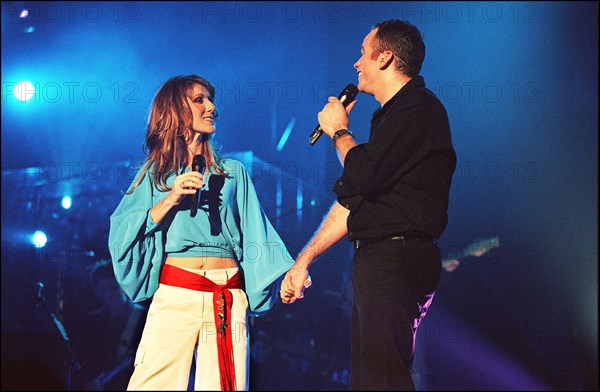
(222, 302)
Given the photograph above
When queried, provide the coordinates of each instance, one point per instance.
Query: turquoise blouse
(229, 222)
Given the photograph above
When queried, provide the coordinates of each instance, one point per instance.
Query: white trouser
(181, 323)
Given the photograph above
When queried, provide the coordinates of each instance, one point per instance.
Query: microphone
(199, 165)
(346, 97)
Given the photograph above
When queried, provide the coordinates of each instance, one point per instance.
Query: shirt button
(347, 206)
(340, 183)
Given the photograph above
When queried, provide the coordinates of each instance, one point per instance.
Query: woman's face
(203, 110)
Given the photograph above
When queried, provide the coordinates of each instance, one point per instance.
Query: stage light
(66, 202)
(299, 200)
(39, 239)
(24, 91)
(286, 134)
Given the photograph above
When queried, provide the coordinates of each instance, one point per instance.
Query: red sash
(222, 301)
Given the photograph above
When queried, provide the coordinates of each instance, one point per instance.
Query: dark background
(519, 81)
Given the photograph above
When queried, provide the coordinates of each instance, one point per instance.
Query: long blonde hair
(169, 131)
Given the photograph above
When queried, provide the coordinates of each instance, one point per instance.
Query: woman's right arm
(184, 184)
(134, 240)
(137, 216)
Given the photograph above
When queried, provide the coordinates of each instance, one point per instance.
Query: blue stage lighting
(66, 202)
(39, 239)
(286, 134)
(24, 91)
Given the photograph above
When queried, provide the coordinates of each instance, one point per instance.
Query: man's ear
(386, 58)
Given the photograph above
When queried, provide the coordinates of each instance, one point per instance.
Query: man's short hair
(405, 41)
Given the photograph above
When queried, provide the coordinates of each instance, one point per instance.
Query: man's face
(367, 65)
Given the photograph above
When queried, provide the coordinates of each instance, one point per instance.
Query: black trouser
(394, 282)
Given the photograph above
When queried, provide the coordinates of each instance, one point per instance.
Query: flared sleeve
(136, 242)
(265, 259)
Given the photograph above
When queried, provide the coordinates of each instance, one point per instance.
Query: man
(392, 202)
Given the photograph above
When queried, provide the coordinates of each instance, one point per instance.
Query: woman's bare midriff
(205, 263)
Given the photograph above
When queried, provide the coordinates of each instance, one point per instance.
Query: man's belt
(404, 237)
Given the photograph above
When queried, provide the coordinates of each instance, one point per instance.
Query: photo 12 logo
(73, 11)
(69, 92)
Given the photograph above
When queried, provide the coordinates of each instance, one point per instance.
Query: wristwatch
(339, 133)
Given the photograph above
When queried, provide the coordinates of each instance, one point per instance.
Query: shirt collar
(416, 82)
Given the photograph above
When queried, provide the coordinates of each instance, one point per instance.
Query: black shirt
(399, 182)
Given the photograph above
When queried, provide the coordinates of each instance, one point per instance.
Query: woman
(206, 273)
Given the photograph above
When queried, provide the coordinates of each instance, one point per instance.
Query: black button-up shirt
(399, 182)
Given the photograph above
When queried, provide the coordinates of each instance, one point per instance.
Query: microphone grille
(199, 159)
(199, 163)
(352, 89)
(348, 94)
